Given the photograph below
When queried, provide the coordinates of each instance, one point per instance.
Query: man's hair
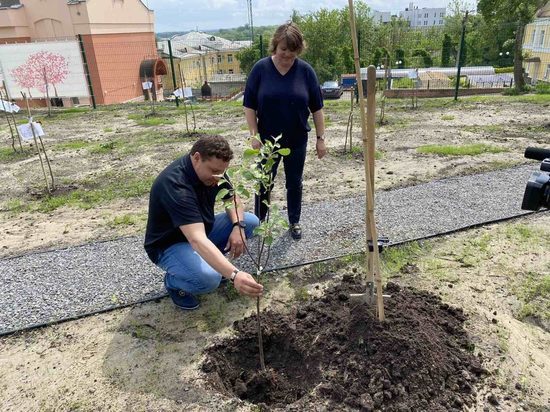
(212, 146)
(291, 34)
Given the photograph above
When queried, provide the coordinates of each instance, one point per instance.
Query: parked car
(331, 89)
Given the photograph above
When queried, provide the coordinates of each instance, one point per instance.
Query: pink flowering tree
(41, 69)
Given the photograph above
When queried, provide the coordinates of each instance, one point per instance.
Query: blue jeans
(187, 271)
(294, 171)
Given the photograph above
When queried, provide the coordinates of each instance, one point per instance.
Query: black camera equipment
(537, 192)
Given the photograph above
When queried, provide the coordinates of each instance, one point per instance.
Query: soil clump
(330, 353)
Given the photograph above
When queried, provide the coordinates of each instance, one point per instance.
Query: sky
(184, 15)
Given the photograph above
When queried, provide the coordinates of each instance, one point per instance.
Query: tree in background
(248, 56)
(427, 60)
(446, 51)
(400, 58)
(521, 12)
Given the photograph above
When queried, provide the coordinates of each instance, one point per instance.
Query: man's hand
(321, 148)
(246, 285)
(256, 144)
(235, 244)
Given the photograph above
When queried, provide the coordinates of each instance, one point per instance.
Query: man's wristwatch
(234, 275)
(322, 137)
(240, 223)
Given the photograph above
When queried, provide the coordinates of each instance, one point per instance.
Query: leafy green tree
(400, 57)
(427, 60)
(250, 55)
(521, 12)
(446, 51)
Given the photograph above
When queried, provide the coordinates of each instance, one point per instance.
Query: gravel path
(50, 286)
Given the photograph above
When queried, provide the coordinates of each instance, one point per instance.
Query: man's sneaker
(183, 300)
(296, 231)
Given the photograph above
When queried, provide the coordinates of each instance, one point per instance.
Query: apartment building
(204, 57)
(424, 17)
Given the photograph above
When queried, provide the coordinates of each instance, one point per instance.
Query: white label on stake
(8, 107)
(147, 85)
(26, 132)
(187, 92)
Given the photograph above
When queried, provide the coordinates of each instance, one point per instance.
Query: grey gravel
(50, 286)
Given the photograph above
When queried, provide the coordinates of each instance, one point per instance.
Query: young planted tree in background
(251, 178)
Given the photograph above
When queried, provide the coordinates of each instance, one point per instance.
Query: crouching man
(183, 235)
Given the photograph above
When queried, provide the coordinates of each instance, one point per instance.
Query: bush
(504, 69)
(542, 88)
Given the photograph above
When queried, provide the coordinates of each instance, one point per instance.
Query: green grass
(465, 150)
(447, 117)
(490, 128)
(121, 187)
(533, 291)
(71, 145)
(107, 130)
(8, 155)
(542, 88)
(127, 220)
(394, 259)
(151, 121)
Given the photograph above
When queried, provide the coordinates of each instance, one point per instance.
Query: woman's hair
(291, 34)
(213, 146)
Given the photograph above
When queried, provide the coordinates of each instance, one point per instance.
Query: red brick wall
(114, 61)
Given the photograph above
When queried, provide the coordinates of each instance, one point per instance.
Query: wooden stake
(367, 129)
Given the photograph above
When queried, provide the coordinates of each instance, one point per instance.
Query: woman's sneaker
(296, 231)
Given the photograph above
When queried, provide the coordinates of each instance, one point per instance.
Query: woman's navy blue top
(283, 102)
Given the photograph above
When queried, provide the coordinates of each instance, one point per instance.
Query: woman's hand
(321, 148)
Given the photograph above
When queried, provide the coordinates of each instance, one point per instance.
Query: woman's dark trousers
(294, 170)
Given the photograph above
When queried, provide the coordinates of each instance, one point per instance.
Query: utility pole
(250, 20)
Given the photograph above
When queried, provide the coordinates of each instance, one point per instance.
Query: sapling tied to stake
(251, 178)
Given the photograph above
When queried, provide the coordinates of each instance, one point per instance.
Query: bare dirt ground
(148, 357)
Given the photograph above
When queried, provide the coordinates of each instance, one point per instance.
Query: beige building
(202, 57)
(536, 46)
(117, 35)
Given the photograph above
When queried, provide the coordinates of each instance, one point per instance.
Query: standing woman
(281, 92)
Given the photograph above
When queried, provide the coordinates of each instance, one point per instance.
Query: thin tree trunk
(518, 59)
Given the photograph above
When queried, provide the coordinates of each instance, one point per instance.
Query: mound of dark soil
(331, 354)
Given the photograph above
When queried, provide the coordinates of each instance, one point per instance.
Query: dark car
(331, 90)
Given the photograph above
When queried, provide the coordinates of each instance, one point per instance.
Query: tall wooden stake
(367, 130)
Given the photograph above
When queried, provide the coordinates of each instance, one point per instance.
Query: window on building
(425, 23)
(440, 21)
(211, 60)
(541, 37)
(426, 15)
(229, 58)
(220, 71)
(533, 34)
(230, 71)
(435, 14)
(547, 75)
(219, 58)
(442, 14)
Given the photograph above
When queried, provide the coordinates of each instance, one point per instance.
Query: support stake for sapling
(10, 118)
(368, 133)
(40, 144)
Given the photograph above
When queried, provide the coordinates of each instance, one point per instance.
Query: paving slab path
(50, 286)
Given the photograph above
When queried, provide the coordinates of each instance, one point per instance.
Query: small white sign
(147, 85)
(413, 74)
(26, 132)
(187, 92)
(8, 107)
(178, 93)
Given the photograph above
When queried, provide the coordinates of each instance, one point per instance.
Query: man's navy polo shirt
(283, 102)
(177, 198)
